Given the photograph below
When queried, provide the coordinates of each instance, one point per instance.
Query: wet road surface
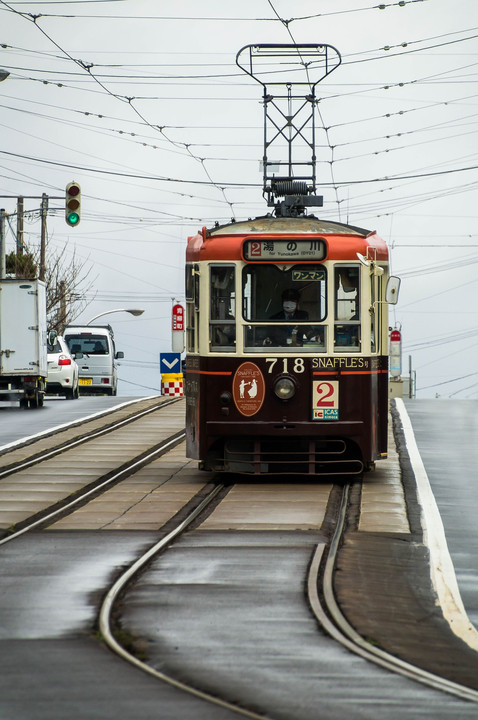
(225, 610)
(446, 432)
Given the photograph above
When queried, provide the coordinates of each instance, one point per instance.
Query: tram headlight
(284, 388)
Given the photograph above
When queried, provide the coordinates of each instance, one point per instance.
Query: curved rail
(334, 622)
(122, 582)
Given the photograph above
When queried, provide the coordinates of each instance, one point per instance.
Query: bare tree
(66, 283)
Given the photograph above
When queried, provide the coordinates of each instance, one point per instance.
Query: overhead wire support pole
(20, 226)
(3, 267)
(43, 238)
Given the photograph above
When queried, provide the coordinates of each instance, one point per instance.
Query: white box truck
(23, 338)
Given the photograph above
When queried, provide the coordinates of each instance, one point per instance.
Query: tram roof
(303, 224)
(225, 242)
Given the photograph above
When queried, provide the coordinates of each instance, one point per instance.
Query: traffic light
(72, 204)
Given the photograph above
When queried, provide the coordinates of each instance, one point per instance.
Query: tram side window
(192, 305)
(376, 314)
(347, 308)
(222, 318)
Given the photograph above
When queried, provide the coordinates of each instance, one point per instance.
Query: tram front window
(283, 305)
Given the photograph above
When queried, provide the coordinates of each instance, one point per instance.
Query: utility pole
(20, 226)
(62, 313)
(3, 266)
(44, 213)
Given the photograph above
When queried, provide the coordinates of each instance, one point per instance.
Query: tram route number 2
(325, 400)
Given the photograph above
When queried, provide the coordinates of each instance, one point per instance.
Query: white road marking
(441, 566)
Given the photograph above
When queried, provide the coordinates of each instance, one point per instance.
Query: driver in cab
(289, 334)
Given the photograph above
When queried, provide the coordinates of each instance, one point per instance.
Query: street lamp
(134, 312)
(3, 74)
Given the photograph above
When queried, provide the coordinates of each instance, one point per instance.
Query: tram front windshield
(283, 303)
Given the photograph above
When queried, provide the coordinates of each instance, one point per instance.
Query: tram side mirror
(391, 292)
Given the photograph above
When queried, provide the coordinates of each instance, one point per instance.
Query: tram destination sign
(284, 249)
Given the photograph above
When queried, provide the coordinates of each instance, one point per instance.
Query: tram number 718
(288, 364)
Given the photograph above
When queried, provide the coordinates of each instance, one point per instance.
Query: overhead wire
(88, 68)
(162, 18)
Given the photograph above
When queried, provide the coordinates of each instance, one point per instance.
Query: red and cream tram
(287, 347)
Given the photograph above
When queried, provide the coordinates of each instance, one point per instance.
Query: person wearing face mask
(288, 334)
(290, 307)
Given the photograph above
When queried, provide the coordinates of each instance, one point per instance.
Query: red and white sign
(172, 387)
(325, 400)
(178, 317)
(395, 353)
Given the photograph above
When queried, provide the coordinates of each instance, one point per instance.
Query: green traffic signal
(73, 218)
(72, 204)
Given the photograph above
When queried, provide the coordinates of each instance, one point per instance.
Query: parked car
(98, 368)
(62, 378)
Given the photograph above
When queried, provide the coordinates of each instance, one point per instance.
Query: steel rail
(334, 622)
(83, 495)
(122, 582)
(47, 454)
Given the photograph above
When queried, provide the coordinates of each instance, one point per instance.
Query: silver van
(98, 371)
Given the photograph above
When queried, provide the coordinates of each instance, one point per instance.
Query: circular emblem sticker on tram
(248, 389)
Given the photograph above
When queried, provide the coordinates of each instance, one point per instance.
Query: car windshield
(88, 344)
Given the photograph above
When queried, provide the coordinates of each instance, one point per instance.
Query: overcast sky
(140, 101)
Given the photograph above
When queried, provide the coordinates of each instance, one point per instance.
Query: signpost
(177, 327)
(171, 375)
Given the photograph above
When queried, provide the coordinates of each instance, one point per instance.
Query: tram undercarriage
(278, 455)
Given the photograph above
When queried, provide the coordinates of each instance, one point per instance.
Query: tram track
(320, 590)
(106, 622)
(320, 584)
(92, 487)
(324, 604)
(67, 444)
(102, 485)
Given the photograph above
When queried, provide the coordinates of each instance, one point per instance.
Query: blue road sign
(169, 363)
